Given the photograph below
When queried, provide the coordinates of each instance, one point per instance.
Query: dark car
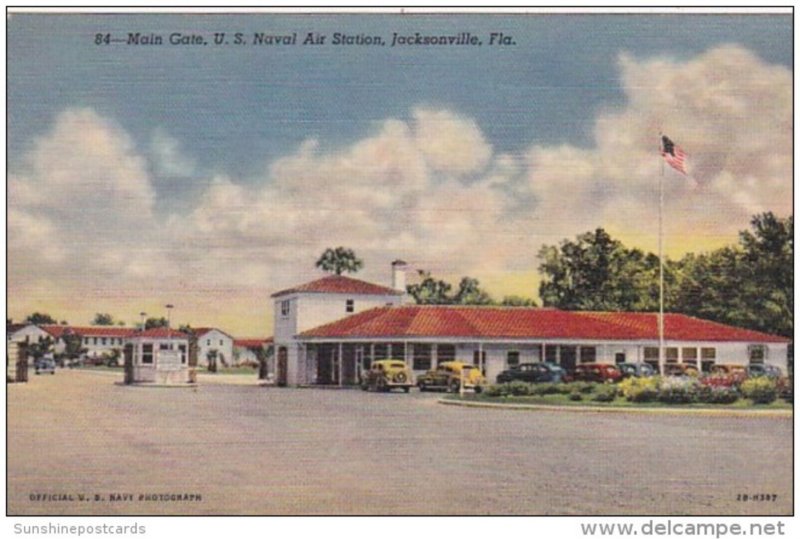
(770, 371)
(597, 372)
(533, 372)
(636, 370)
(44, 365)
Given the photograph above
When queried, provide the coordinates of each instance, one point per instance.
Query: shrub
(717, 395)
(580, 387)
(546, 389)
(761, 390)
(576, 396)
(605, 393)
(495, 390)
(639, 389)
(518, 388)
(678, 390)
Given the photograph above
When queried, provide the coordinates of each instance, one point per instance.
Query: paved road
(255, 450)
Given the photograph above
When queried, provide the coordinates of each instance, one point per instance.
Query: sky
(210, 176)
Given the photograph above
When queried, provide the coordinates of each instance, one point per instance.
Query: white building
(26, 333)
(305, 307)
(160, 356)
(328, 331)
(98, 341)
(212, 340)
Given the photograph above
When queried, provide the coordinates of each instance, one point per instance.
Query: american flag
(673, 155)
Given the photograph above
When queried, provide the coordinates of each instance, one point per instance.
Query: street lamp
(142, 314)
(169, 307)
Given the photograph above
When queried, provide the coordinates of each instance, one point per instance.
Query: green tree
(40, 318)
(432, 291)
(38, 350)
(151, 323)
(103, 319)
(517, 301)
(597, 272)
(73, 345)
(339, 260)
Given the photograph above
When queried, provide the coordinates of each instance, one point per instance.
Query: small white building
(160, 356)
(98, 341)
(330, 330)
(214, 341)
(26, 333)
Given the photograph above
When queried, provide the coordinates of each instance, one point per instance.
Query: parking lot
(244, 449)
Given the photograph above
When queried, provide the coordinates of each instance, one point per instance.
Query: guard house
(157, 356)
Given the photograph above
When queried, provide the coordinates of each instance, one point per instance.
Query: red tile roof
(526, 323)
(339, 284)
(160, 333)
(251, 343)
(89, 331)
(199, 332)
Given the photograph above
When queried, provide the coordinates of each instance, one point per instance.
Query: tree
(151, 323)
(748, 285)
(73, 345)
(596, 272)
(121, 323)
(339, 260)
(103, 319)
(40, 318)
(517, 301)
(432, 291)
(38, 350)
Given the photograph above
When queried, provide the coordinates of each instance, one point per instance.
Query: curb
(767, 414)
(157, 386)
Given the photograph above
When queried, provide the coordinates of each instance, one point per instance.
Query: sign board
(169, 360)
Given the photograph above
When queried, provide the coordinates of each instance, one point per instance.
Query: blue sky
(222, 123)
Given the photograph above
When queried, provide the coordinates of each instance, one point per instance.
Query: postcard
(400, 262)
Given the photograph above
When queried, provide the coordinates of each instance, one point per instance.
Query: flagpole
(661, 266)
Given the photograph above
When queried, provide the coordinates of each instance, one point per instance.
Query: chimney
(399, 276)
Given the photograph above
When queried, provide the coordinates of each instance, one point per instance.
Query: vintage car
(680, 369)
(724, 375)
(449, 375)
(387, 374)
(533, 373)
(770, 371)
(597, 372)
(43, 365)
(636, 370)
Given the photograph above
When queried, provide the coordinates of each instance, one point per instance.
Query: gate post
(128, 354)
(193, 350)
(22, 362)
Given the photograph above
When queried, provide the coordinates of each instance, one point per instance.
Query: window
(445, 352)
(671, 354)
(619, 357)
(689, 354)
(86, 340)
(220, 342)
(381, 352)
(551, 354)
(95, 340)
(349, 306)
(285, 304)
(103, 341)
(651, 353)
(422, 357)
(208, 342)
(708, 353)
(588, 354)
(757, 353)
(147, 354)
(164, 346)
(182, 348)
(512, 359)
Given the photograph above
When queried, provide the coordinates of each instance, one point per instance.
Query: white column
(434, 355)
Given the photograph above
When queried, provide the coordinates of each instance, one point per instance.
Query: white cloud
(168, 157)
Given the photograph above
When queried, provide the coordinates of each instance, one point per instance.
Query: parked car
(681, 369)
(725, 375)
(770, 371)
(387, 374)
(597, 372)
(448, 376)
(533, 372)
(636, 370)
(43, 365)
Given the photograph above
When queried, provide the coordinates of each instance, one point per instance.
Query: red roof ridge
(339, 284)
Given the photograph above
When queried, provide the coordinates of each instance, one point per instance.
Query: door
(128, 358)
(569, 355)
(283, 367)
